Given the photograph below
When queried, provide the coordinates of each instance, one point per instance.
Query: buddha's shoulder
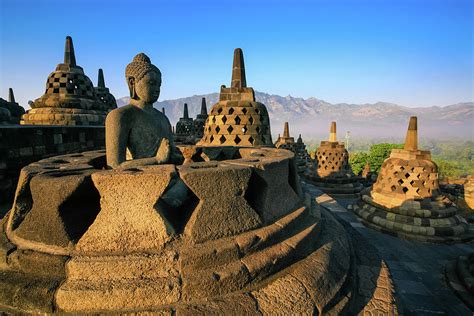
(123, 112)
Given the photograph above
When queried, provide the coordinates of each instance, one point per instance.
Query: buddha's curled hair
(139, 67)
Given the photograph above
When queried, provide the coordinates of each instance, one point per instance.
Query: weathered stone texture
(22, 145)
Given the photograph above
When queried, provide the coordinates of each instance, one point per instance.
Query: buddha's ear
(131, 87)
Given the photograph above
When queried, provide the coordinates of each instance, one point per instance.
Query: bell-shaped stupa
(185, 128)
(298, 148)
(405, 200)
(331, 171)
(15, 110)
(103, 94)
(237, 119)
(200, 120)
(69, 99)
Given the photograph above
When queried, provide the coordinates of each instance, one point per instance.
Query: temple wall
(22, 145)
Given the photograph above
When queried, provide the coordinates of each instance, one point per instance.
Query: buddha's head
(143, 79)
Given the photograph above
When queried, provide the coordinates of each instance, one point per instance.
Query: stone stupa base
(430, 220)
(460, 276)
(343, 187)
(63, 116)
(81, 239)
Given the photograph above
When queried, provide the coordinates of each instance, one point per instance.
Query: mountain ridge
(311, 117)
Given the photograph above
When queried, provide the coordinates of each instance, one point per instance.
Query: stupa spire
(286, 130)
(238, 70)
(332, 132)
(100, 80)
(186, 114)
(69, 56)
(11, 96)
(203, 107)
(163, 110)
(411, 140)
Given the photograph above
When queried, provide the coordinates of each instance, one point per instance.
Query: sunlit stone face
(148, 88)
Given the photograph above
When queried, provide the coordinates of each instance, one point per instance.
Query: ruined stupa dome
(405, 200)
(237, 119)
(69, 98)
(247, 241)
(103, 94)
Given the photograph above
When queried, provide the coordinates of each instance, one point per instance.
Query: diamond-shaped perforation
(222, 139)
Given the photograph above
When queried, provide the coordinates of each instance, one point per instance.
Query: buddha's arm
(116, 135)
(176, 156)
(138, 162)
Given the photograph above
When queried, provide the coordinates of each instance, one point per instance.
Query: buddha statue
(137, 134)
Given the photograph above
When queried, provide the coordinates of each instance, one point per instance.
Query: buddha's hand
(164, 152)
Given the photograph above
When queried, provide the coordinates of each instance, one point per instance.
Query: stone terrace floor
(418, 269)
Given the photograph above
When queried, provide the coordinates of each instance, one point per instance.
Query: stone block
(222, 210)
(130, 220)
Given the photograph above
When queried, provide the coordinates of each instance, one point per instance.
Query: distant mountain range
(311, 117)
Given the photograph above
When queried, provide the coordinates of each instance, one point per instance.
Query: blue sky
(410, 52)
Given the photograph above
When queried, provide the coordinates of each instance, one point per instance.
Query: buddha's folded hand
(164, 151)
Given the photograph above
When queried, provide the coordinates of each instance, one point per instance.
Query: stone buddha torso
(147, 128)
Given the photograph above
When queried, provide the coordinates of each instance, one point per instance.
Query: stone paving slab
(418, 269)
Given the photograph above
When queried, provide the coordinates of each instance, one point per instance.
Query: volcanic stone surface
(83, 239)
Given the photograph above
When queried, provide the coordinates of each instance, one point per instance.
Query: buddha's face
(148, 88)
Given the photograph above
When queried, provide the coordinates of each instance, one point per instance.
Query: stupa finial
(186, 114)
(411, 141)
(203, 107)
(163, 110)
(100, 80)
(238, 70)
(286, 130)
(332, 132)
(11, 96)
(69, 56)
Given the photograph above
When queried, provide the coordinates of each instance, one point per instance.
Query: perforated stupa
(185, 128)
(298, 148)
(237, 119)
(69, 98)
(15, 110)
(103, 93)
(331, 171)
(406, 201)
(200, 120)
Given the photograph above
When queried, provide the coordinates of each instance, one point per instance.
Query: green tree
(378, 153)
(358, 161)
